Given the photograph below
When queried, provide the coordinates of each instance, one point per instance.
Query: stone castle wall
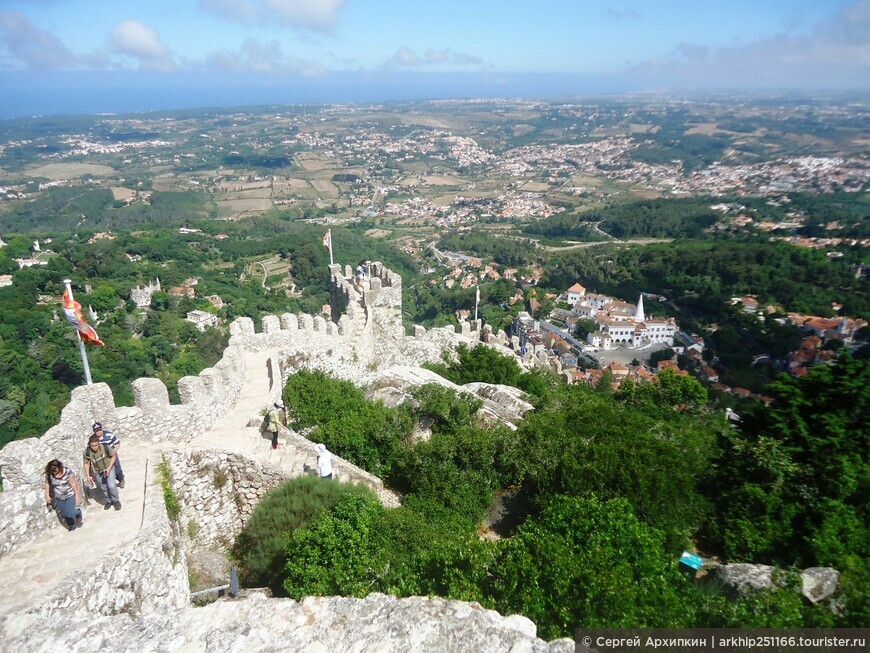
(219, 490)
(367, 336)
(204, 399)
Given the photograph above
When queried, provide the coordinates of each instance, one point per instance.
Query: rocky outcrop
(742, 577)
(816, 583)
(501, 403)
(256, 623)
(505, 402)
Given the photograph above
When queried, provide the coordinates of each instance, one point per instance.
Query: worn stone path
(36, 568)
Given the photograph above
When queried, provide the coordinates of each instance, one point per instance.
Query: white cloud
(237, 10)
(313, 14)
(834, 54)
(316, 15)
(133, 39)
(256, 57)
(28, 46)
(405, 57)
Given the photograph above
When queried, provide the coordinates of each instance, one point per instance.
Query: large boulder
(501, 403)
(819, 583)
(742, 577)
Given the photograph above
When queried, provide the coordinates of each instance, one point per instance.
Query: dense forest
(503, 250)
(566, 225)
(662, 218)
(602, 491)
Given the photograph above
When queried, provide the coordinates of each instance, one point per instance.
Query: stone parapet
(23, 517)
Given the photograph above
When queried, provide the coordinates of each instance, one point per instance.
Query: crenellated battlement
(220, 477)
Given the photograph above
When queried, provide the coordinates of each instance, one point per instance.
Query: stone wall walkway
(36, 568)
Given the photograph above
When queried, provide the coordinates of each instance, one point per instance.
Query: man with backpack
(110, 439)
(99, 466)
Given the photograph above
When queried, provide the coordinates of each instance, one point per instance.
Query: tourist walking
(99, 466)
(275, 421)
(63, 494)
(109, 438)
(324, 462)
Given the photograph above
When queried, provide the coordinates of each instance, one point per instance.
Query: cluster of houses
(822, 330)
(619, 323)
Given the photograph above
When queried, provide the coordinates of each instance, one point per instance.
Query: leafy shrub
(458, 469)
(260, 547)
(368, 436)
(363, 432)
(445, 408)
(335, 553)
(589, 442)
(314, 398)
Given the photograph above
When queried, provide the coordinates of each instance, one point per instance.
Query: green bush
(260, 547)
(586, 563)
(458, 469)
(314, 398)
(445, 408)
(336, 553)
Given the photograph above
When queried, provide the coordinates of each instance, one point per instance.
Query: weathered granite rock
(512, 401)
(742, 577)
(256, 623)
(819, 583)
(23, 517)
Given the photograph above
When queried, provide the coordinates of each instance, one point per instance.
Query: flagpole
(84, 354)
(329, 233)
(476, 302)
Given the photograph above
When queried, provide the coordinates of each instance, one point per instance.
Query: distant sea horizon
(28, 94)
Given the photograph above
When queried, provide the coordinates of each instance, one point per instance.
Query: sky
(64, 56)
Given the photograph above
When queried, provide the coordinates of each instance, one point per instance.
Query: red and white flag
(73, 312)
(327, 240)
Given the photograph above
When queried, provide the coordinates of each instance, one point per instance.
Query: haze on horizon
(87, 56)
